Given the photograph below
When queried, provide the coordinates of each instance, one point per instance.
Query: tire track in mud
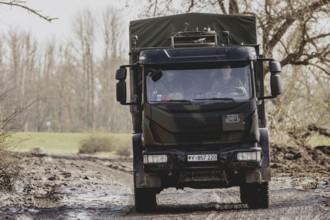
(63, 187)
(287, 202)
(97, 188)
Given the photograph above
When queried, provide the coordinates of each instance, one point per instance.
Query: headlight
(249, 156)
(154, 159)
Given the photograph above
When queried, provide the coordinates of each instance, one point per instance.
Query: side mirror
(121, 91)
(121, 85)
(121, 74)
(275, 85)
(275, 78)
(274, 67)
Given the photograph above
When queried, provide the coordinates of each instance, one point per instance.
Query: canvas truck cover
(156, 32)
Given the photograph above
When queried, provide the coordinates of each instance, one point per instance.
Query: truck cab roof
(198, 55)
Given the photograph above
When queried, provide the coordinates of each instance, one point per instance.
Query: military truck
(207, 131)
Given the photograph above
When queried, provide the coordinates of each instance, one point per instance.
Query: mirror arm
(129, 103)
(265, 59)
(136, 64)
(266, 97)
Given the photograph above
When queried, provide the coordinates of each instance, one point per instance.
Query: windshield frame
(160, 72)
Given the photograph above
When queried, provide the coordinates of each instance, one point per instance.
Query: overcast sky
(64, 10)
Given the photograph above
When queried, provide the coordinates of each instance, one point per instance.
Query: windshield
(225, 83)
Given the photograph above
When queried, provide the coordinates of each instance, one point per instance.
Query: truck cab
(198, 114)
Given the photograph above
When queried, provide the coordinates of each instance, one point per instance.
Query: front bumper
(177, 160)
(177, 171)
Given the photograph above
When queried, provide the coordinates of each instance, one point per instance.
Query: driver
(225, 84)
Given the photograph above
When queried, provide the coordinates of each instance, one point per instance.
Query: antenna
(226, 35)
(134, 40)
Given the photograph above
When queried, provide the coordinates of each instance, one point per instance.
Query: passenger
(167, 88)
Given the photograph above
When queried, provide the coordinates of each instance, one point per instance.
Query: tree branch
(192, 3)
(14, 114)
(20, 4)
(222, 6)
(321, 68)
(233, 7)
(290, 19)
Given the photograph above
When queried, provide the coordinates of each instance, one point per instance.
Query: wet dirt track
(56, 187)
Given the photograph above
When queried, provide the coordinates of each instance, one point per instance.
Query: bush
(124, 151)
(96, 144)
(8, 164)
(106, 143)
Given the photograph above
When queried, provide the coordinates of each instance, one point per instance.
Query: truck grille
(185, 137)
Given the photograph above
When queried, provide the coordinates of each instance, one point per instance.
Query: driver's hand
(176, 95)
(241, 90)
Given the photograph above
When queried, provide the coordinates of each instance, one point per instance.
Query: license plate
(202, 157)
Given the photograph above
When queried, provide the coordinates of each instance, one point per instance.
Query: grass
(69, 143)
(59, 143)
(319, 140)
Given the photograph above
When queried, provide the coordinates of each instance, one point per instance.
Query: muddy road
(80, 187)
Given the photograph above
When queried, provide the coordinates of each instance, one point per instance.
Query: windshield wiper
(218, 99)
(179, 100)
(173, 100)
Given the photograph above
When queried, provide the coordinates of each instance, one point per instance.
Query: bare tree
(19, 76)
(72, 84)
(15, 88)
(291, 27)
(44, 88)
(113, 51)
(22, 49)
(278, 21)
(85, 35)
(66, 95)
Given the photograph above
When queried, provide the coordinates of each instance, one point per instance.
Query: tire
(265, 146)
(244, 193)
(145, 200)
(256, 195)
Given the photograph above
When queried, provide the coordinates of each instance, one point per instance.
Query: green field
(59, 143)
(69, 143)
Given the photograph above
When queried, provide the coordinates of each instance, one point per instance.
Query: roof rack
(194, 39)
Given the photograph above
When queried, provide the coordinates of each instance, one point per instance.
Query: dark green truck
(193, 126)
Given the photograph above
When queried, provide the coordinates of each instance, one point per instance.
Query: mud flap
(147, 180)
(253, 176)
(258, 175)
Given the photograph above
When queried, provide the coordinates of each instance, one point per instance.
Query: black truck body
(196, 136)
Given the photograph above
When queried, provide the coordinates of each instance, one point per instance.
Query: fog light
(249, 156)
(154, 159)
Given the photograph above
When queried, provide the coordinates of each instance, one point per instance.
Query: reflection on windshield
(226, 83)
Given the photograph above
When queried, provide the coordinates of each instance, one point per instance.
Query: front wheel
(145, 200)
(256, 195)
